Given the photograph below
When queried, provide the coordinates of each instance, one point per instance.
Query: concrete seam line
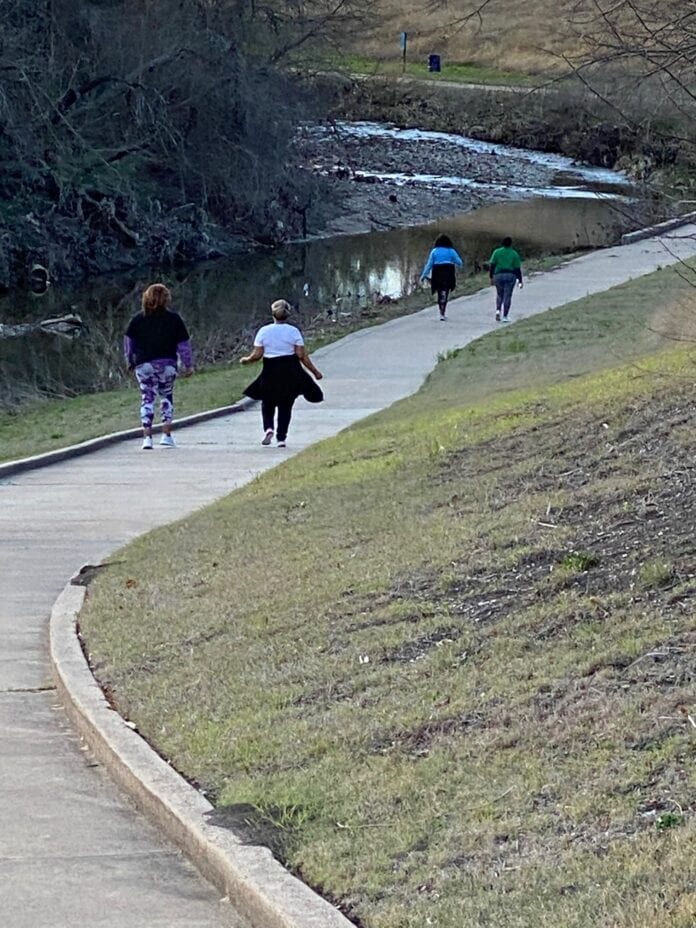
(257, 885)
(10, 468)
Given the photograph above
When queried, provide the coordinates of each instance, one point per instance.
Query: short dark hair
(443, 241)
(507, 241)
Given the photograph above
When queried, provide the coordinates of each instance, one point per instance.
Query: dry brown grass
(523, 36)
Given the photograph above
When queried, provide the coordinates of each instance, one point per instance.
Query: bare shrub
(140, 121)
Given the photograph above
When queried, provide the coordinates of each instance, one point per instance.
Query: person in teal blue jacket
(440, 270)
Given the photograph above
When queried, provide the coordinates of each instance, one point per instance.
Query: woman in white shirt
(282, 379)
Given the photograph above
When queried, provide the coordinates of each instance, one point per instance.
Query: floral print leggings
(156, 378)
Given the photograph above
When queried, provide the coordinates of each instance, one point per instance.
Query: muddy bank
(105, 235)
(109, 239)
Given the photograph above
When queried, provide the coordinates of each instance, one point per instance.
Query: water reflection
(224, 301)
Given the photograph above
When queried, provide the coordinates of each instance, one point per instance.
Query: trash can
(434, 63)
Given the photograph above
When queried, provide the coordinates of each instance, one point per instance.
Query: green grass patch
(455, 71)
(380, 659)
(579, 562)
(656, 574)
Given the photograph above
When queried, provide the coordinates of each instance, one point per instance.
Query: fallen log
(68, 326)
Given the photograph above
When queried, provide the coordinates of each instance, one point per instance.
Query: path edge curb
(21, 465)
(257, 885)
(661, 228)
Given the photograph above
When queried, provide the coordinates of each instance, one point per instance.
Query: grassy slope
(54, 423)
(461, 73)
(448, 655)
(524, 37)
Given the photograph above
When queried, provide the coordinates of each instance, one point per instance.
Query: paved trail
(72, 851)
(431, 82)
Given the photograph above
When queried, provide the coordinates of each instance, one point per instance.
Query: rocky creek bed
(386, 177)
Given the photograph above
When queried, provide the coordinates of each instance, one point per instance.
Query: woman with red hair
(154, 339)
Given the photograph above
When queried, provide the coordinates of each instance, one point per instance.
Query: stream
(548, 204)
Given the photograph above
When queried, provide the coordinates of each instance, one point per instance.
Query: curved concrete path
(72, 851)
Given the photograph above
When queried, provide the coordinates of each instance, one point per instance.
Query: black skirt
(442, 278)
(282, 380)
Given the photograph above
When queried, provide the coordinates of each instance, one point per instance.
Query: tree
(640, 57)
(122, 115)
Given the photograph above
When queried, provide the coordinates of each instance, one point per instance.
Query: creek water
(223, 301)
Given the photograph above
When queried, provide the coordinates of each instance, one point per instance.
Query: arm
(301, 353)
(491, 267)
(183, 345)
(255, 355)
(129, 352)
(428, 266)
(183, 349)
(456, 258)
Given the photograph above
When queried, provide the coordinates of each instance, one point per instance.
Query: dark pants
(268, 411)
(504, 285)
(442, 298)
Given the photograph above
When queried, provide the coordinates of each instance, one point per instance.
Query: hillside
(444, 662)
(529, 38)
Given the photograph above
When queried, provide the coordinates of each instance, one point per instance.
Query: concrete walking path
(450, 84)
(72, 850)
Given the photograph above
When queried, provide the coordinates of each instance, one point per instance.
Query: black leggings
(268, 411)
(442, 298)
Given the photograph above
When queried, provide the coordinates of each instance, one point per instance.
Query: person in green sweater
(505, 270)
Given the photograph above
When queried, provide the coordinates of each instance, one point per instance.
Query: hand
(245, 360)
(187, 372)
(521, 285)
(318, 375)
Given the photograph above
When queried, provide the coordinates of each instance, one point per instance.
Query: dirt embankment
(557, 119)
(109, 239)
(111, 234)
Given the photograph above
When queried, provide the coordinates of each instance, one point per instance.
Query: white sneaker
(268, 437)
(167, 441)
(282, 444)
(147, 443)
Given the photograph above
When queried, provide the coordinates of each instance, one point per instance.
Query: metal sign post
(404, 44)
